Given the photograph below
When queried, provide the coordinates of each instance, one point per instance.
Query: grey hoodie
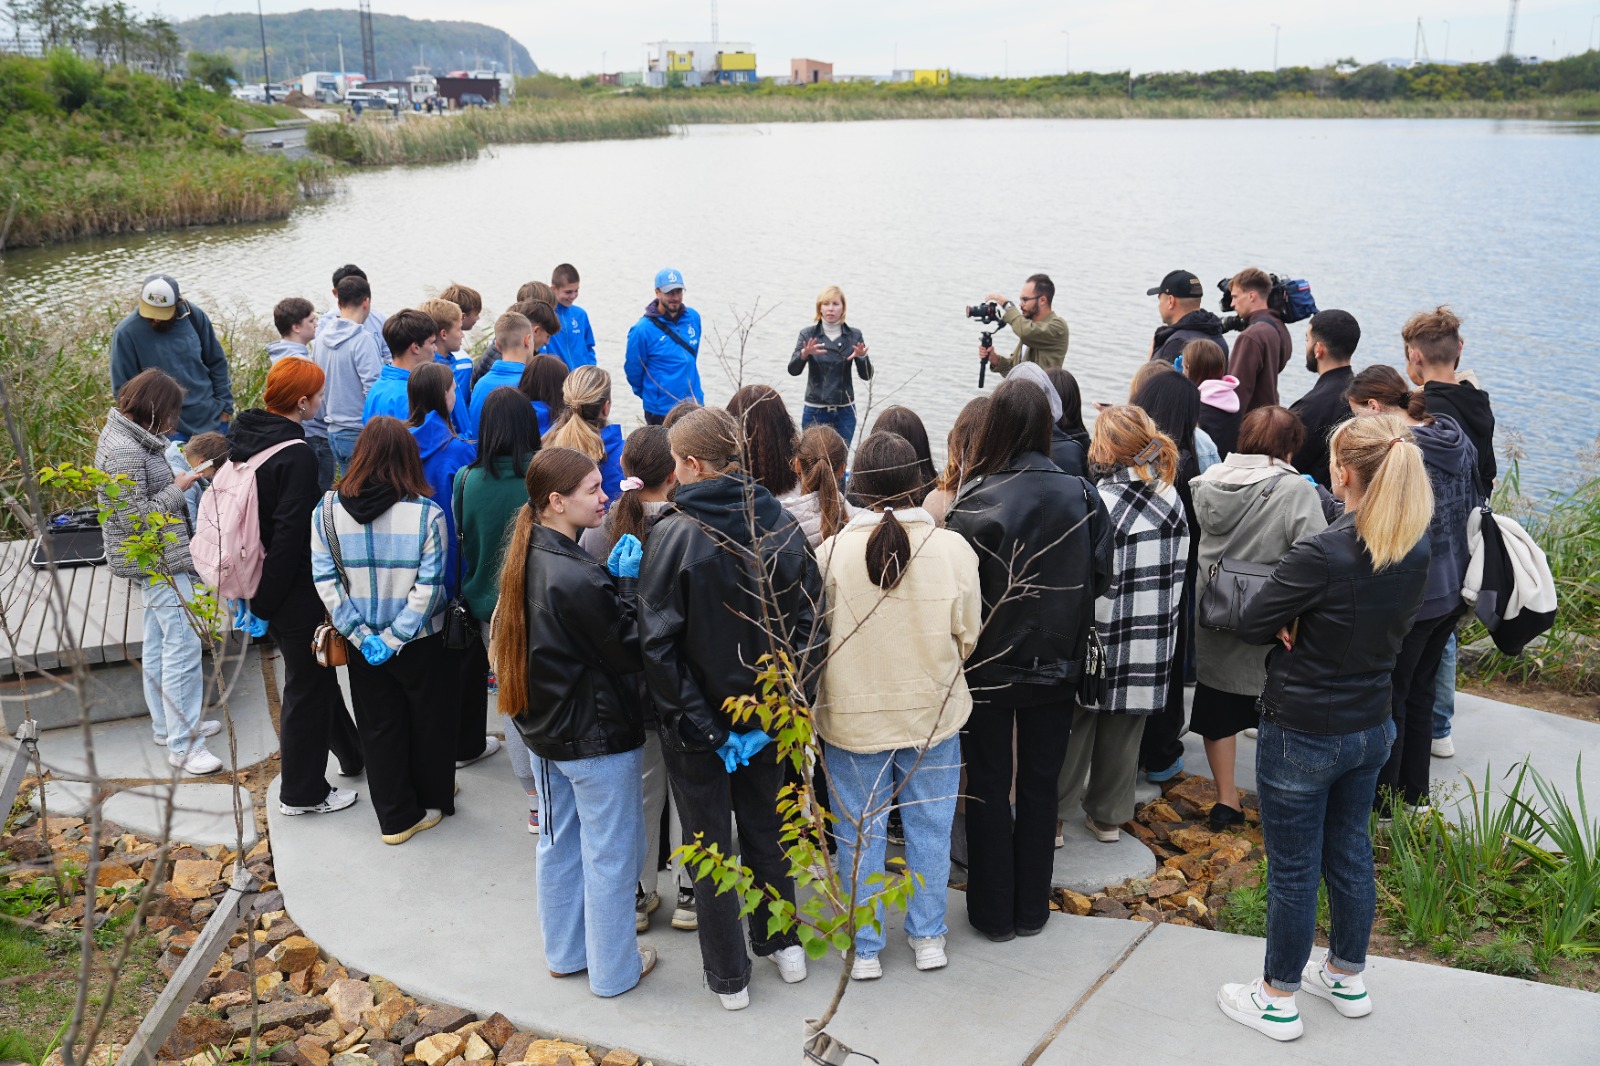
(1237, 522)
(345, 352)
(1452, 461)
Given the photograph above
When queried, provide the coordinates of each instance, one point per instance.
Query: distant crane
(1511, 28)
(369, 55)
(1419, 45)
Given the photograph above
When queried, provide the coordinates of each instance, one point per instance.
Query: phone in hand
(203, 467)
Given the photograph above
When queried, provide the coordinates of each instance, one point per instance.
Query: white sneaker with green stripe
(1274, 1016)
(1347, 992)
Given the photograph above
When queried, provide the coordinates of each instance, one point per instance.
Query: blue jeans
(863, 788)
(1444, 691)
(1316, 795)
(842, 419)
(174, 682)
(327, 466)
(342, 442)
(591, 834)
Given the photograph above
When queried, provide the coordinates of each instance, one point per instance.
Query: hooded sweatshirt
(351, 363)
(444, 453)
(314, 427)
(388, 396)
(373, 326)
(1469, 406)
(1196, 325)
(719, 503)
(1219, 412)
(1452, 464)
(1236, 521)
(286, 494)
(503, 372)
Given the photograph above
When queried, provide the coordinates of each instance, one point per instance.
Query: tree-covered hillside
(309, 40)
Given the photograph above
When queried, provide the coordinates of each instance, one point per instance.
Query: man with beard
(1182, 317)
(1331, 339)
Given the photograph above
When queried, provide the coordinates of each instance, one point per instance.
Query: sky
(998, 37)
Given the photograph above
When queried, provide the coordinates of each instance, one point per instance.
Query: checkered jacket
(392, 580)
(1137, 618)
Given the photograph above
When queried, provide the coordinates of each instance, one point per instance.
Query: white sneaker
(735, 1000)
(338, 799)
(1061, 840)
(207, 729)
(1252, 732)
(1271, 1016)
(1347, 992)
(1108, 835)
(791, 963)
(1443, 748)
(197, 761)
(930, 952)
(490, 746)
(865, 969)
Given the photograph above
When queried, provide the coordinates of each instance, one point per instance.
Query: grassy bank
(86, 152)
(56, 374)
(447, 139)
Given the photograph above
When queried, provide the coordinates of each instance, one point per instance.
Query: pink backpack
(226, 546)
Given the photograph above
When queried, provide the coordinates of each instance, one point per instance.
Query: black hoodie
(287, 491)
(1469, 406)
(1195, 325)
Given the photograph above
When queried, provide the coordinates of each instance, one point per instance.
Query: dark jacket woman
(700, 595)
(581, 650)
(1351, 623)
(828, 381)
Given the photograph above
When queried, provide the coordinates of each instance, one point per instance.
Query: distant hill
(309, 40)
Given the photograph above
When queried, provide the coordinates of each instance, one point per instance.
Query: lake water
(917, 219)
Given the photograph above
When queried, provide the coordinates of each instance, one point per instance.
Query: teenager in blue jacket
(574, 341)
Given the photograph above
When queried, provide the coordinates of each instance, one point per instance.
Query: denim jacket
(828, 381)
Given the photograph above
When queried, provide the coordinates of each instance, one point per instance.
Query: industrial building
(809, 71)
(700, 63)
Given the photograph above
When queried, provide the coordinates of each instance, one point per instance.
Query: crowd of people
(992, 646)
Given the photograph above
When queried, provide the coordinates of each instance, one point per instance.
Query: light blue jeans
(1444, 691)
(864, 787)
(591, 838)
(174, 684)
(342, 443)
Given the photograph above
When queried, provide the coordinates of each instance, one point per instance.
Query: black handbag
(458, 627)
(1092, 688)
(1233, 583)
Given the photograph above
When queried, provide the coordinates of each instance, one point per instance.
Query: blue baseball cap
(669, 279)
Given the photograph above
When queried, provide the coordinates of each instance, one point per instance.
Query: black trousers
(1408, 773)
(709, 799)
(407, 733)
(1009, 860)
(472, 714)
(312, 720)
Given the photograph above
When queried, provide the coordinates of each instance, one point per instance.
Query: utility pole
(1446, 39)
(369, 57)
(1068, 35)
(1006, 67)
(266, 72)
(1511, 28)
(1276, 30)
(715, 39)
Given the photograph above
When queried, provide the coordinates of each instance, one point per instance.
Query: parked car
(473, 100)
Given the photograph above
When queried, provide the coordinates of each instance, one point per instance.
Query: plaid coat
(1137, 618)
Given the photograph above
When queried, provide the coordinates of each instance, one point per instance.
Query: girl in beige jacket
(903, 615)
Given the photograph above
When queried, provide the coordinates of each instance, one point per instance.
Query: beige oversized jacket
(893, 677)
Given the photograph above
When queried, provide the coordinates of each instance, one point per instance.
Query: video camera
(988, 314)
(1290, 297)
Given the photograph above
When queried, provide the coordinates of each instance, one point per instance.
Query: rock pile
(304, 1007)
(1198, 867)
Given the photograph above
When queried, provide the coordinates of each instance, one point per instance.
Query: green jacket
(1043, 342)
(486, 509)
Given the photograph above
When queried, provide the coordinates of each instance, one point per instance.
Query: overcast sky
(993, 37)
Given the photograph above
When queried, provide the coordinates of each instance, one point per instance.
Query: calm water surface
(916, 219)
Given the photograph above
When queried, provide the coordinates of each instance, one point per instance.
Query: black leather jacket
(1043, 540)
(583, 655)
(828, 382)
(1352, 620)
(703, 592)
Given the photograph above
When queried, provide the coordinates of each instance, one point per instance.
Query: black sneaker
(896, 831)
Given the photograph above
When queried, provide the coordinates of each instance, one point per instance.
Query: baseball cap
(669, 279)
(1179, 283)
(159, 297)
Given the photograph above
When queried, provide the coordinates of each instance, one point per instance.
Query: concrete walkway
(451, 916)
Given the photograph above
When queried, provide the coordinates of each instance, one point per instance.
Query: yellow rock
(547, 1052)
(438, 1048)
(194, 878)
(267, 982)
(477, 1050)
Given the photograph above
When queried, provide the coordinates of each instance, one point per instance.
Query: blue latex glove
(256, 627)
(1177, 364)
(239, 612)
(375, 651)
(750, 743)
(730, 752)
(245, 622)
(625, 558)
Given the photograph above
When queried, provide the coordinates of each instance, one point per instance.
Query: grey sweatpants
(1102, 766)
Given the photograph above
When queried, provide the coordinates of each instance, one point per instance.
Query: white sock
(1333, 976)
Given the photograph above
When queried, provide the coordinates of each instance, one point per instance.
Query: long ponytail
(822, 451)
(888, 474)
(586, 391)
(647, 460)
(508, 648)
(1397, 505)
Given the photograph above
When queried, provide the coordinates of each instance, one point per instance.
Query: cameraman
(1263, 349)
(1041, 333)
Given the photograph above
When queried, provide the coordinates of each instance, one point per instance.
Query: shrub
(72, 78)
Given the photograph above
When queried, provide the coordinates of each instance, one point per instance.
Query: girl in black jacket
(313, 718)
(1340, 604)
(563, 660)
(1044, 554)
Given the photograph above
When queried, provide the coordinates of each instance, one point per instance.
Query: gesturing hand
(814, 346)
(859, 352)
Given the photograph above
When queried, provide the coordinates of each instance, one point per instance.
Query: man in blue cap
(663, 349)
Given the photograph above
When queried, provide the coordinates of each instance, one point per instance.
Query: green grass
(56, 374)
(86, 151)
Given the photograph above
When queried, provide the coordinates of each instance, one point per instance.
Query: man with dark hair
(1182, 318)
(1331, 339)
(1433, 352)
(1263, 349)
(374, 319)
(167, 332)
(1041, 333)
(351, 362)
(410, 335)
